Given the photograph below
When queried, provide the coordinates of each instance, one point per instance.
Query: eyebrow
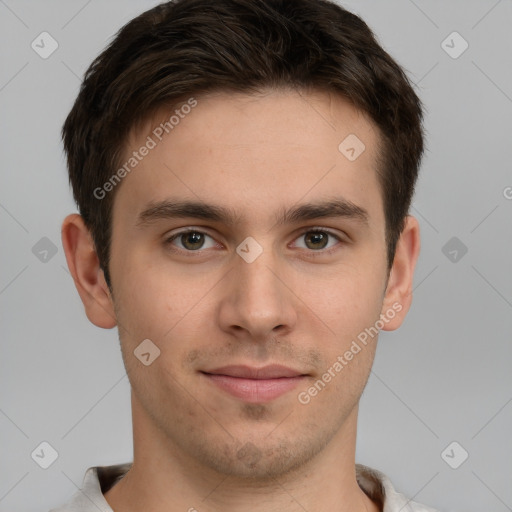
(169, 209)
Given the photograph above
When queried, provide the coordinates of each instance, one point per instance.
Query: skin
(195, 446)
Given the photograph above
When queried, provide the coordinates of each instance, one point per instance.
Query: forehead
(243, 150)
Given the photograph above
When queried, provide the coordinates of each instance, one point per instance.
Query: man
(243, 171)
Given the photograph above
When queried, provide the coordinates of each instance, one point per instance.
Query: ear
(398, 295)
(85, 269)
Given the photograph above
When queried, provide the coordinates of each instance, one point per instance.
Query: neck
(163, 478)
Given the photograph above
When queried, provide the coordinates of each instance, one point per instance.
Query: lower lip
(255, 390)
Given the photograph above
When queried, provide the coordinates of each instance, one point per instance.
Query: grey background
(444, 376)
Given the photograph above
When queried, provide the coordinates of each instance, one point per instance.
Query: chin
(260, 460)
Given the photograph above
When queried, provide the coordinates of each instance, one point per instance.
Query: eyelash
(312, 253)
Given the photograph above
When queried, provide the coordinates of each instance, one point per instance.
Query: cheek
(151, 299)
(166, 308)
(329, 399)
(349, 302)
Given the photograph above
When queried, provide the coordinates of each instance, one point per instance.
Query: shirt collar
(99, 479)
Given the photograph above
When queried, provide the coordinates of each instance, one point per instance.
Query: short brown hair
(188, 47)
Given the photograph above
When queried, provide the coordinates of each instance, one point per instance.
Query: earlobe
(85, 269)
(398, 295)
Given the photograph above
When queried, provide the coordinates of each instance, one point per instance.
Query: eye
(317, 240)
(191, 240)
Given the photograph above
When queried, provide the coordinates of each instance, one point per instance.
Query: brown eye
(316, 239)
(191, 240)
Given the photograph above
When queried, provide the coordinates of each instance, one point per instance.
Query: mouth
(255, 385)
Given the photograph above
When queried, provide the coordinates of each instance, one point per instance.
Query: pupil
(315, 238)
(192, 240)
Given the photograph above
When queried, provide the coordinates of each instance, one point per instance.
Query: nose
(258, 299)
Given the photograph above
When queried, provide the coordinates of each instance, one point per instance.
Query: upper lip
(273, 371)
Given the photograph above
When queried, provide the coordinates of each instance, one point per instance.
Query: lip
(273, 371)
(255, 385)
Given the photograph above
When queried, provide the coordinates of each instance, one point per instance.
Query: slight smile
(255, 385)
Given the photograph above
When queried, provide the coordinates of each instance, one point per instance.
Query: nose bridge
(257, 300)
(259, 287)
(260, 281)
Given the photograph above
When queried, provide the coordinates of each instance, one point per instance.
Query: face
(251, 251)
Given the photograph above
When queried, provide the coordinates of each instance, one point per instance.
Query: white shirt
(90, 497)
